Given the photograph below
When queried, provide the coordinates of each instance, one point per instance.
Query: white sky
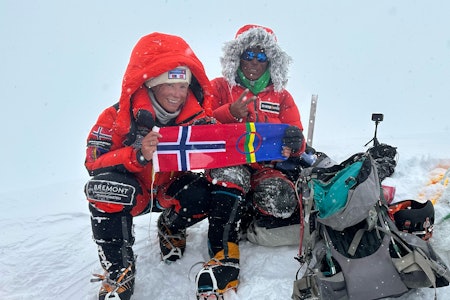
(63, 62)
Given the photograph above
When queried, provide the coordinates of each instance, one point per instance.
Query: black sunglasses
(250, 55)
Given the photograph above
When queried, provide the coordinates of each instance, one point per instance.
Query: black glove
(145, 122)
(293, 138)
(145, 118)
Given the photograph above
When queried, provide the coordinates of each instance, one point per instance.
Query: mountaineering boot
(172, 241)
(219, 274)
(116, 285)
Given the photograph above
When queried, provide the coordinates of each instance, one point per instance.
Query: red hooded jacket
(110, 141)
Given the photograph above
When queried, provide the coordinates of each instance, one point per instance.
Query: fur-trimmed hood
(250, 36)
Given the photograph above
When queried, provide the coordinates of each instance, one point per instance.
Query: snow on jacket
(274, 104)
(110, 141)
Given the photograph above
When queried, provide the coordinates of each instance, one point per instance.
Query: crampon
(216, 278)
(120, 289)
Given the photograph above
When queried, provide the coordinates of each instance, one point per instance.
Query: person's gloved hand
(293, 138)
(145, 122)
(145, 118)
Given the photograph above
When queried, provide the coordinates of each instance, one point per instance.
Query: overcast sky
(63, 62)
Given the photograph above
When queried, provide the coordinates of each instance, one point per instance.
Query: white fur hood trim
(278, 59)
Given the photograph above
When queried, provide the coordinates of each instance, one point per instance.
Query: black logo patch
(110, 192)
(269, 107)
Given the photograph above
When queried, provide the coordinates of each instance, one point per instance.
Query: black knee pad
(115, 188)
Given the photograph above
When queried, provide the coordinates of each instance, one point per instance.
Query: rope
(155, 129)
(151, 204)
(302, 224)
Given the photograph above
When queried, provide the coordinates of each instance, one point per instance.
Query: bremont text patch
(110, 192)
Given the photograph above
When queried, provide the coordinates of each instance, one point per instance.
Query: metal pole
(312, 119)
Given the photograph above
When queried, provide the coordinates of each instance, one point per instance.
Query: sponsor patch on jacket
(103, 146)
(110, 192)
(269, 107)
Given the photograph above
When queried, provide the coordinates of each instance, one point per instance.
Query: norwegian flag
(101, 133)
(184, 148)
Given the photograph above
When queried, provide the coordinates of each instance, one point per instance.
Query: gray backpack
(350, 247)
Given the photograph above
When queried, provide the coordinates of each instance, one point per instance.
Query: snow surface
(64, 64)
(47, 251)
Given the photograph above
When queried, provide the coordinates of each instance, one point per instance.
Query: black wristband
(140, 158)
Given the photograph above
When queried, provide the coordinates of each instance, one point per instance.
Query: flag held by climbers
(196, 147)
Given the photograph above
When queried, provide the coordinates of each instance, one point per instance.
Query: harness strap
(425, 265)
(360, 233)
(355, 241)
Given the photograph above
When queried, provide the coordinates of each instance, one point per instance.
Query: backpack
(350, 248)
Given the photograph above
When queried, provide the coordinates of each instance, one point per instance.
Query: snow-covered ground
(46, 250)
(63, 63)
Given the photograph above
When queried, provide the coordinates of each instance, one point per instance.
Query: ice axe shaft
(312, 119)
